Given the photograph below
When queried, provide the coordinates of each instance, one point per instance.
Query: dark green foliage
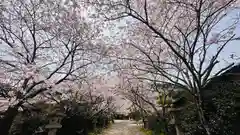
(221, 109)
(79, 119)
(135, 115)
(75, 125)
(28, 122)
(221, 106)
(156, 125)
(189, 121)
(151, 122)
(120, 116)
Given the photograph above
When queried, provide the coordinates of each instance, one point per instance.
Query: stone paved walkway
(123, 127)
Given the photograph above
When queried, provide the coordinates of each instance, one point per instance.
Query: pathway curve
(123, 127)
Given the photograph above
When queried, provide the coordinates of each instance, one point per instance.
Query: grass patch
(96, 131)
(149, 132)
(146, 131)
(99, 130)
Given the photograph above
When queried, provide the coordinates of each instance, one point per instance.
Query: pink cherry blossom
(214, 38)
(11, 93)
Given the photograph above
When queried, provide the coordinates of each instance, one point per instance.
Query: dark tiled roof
(233, 70)
(226, 76)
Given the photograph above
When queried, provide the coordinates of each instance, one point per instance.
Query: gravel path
(123, 127)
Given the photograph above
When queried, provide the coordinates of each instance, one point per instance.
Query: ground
(123, 127)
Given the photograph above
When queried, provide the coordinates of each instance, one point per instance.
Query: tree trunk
(201, 115)
(203, 121)
(178, 131)
(164, 120)
(112, 120)
(6, 122)
(143, 120)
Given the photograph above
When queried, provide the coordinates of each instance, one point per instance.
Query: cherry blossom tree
(190, 32)
(44, 44)
(87, 93)
(136, 92)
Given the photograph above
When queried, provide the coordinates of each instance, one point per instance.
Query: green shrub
(150, 132)
(28, 123)
(96, 131)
